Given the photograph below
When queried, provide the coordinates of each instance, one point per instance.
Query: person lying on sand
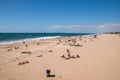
(73, 56)
(78, 56)
(63, 56)
(26, 52)
(9, 49)
(16, 47)
(24, 62)
(50, 51)
(66, 58)
(40, 56)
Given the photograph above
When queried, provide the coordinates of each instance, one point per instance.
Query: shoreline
(8, 42)
(2, 43)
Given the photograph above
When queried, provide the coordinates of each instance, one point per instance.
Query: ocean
(10, 38)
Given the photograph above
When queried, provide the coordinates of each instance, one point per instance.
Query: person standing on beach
(80, 38)
(68, 53)
(23, 42)
(60, 40)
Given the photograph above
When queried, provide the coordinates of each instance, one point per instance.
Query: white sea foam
(28, 39)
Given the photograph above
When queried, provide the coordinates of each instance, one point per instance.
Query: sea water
(11, 38)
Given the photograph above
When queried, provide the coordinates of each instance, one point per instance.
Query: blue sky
(59, 15)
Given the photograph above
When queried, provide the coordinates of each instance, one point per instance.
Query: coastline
(99, 59)
(26, 40)
(11, 38)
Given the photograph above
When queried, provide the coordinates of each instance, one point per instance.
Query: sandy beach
(98, 59)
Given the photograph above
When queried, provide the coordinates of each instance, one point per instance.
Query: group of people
(26, 45)
(23, 62)
(69, 56)
(10, 49)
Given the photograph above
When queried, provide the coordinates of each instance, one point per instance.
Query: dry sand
(99, 60)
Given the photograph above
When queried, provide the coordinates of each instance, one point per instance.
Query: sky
(78, 16)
